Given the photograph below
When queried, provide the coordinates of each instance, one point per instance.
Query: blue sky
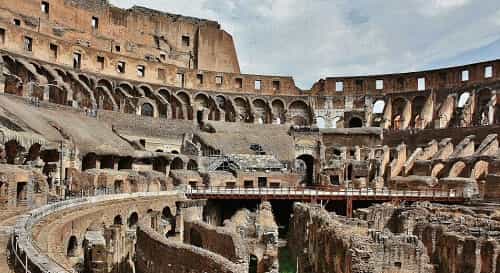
(313, 39)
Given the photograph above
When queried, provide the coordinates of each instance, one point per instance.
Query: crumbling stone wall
(324, 242)
(458, 239)
(156, 254)
(219, 240)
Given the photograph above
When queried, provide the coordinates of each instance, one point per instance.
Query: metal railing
(21, 243)
(323, 192)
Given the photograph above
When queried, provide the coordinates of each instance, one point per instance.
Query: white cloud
(317, 38)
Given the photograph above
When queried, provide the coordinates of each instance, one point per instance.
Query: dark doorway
(252, 267)
(195, 238)
(309, 174)
(355, 123)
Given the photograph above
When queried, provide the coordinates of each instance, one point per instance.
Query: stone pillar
(46, 93)
(2, 82)
(169, 111)
(222, 115)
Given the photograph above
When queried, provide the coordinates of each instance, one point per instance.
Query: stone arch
(480, 170)
(146, 89)
(242, 107)
(132, 220)
(355, 122)
(299, 113)
(401, 113)
(320, 122)
(261, 110)
(309, 171)
(34, 152)
(108, 101)
(130, 89)
(463, 99)
(379, 106)
(482, 115)
(437, 170)
(85, 79)
(278, 111)
(147, 109)
(336, 121)
(72, 248)
(118, 220)
(418, 104)
(165, 93)
(195, 238)
(184, 97)
(177, 164)
(458, 169)
(13, 152)
(105, 82)
(201, 104)
(89, 161)
(58, 95)
(168, 217)
(192, 165)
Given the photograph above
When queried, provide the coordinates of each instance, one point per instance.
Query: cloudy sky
(312, 39)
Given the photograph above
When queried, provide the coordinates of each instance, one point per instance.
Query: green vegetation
(287, 262)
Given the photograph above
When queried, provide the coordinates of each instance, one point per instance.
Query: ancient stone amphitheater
(130, 142)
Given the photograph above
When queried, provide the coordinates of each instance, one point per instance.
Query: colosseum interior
(131, 142)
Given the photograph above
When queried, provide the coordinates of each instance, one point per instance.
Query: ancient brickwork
(324, 242)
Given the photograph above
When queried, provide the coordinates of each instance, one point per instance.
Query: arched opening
(349, 173)
(195, 238)
(118, 186)
(125, 163)
(320, 122)
(147, 110)
(437, 170)
(378, 107)
(299, 111)
(253, 264)
(261, 112)
(480, 170)
(400, 113)
(199, 116)
(72, 249)
(177, 164)
(278, 111)
(12, 152)
(107, 162)
(118, 220)
(160, 164)
(241, 107)
(89, 161)
(169, 218)
(458, 170)
(309, 172)
(463, 99)
(482, 110)
(34, 152)
(22, 192)
(192, 165)
(132, 220)
(418, 105)
(355, 122)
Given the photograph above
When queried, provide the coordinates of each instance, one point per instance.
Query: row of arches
(93, 161)
(74, 245)
(85, 91)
